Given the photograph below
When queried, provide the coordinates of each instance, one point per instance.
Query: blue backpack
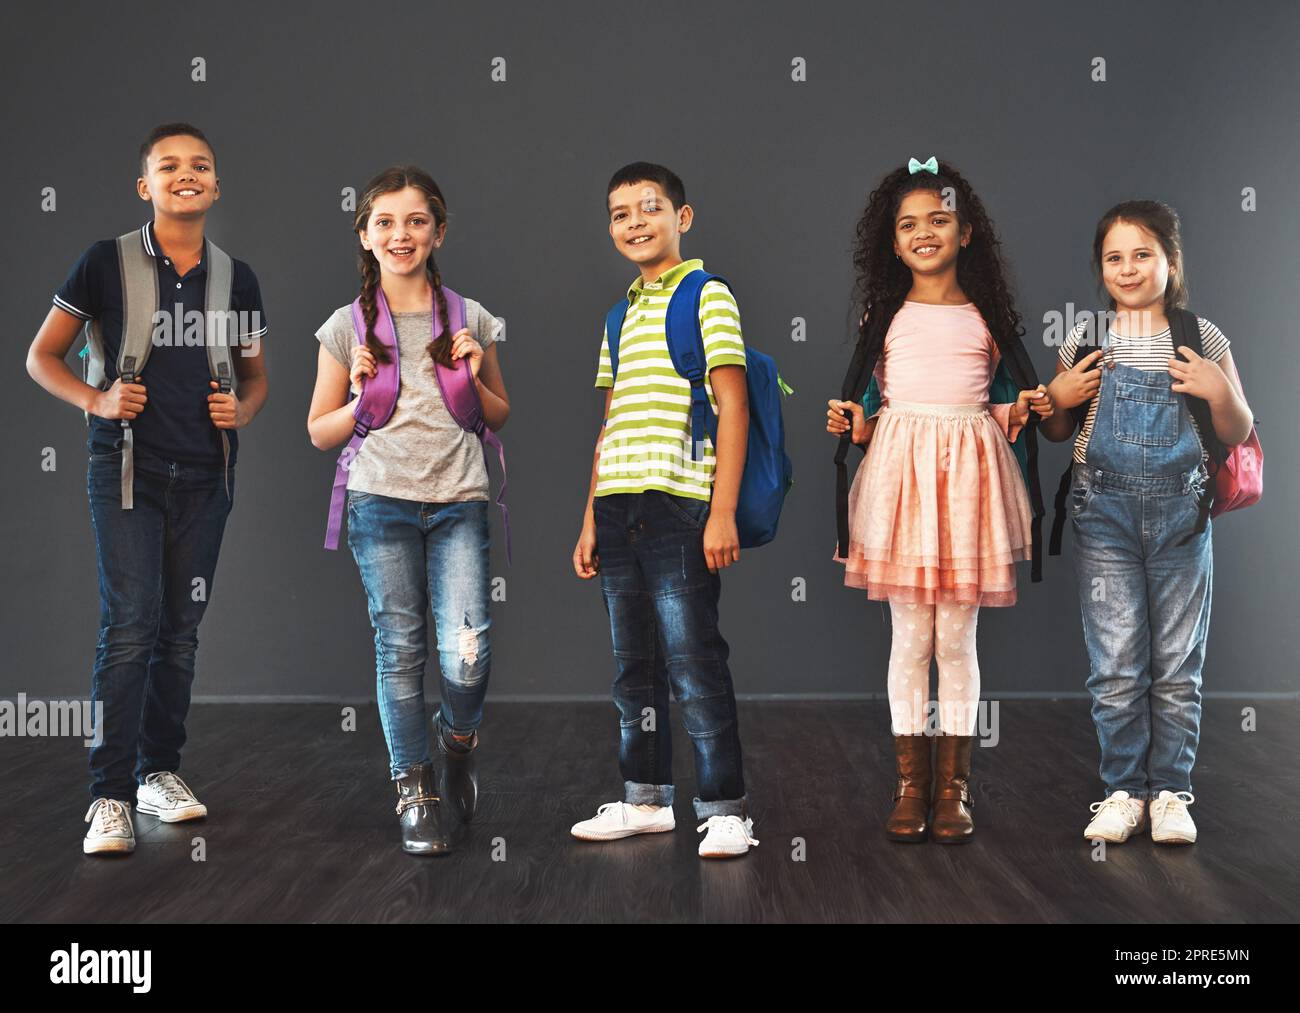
(767, 476)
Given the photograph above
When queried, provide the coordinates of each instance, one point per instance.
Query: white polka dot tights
(946, 633)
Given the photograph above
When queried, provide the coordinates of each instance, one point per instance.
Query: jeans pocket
(1080, 496)
(1146, 415)
(689, 511)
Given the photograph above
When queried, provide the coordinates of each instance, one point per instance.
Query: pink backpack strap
(460, 395)
(372, 408)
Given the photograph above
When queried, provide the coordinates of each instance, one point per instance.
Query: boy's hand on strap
(225, 410)
(721, 540)
(120, 401)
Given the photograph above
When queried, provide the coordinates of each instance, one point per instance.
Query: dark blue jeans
(663, 618)
(156, 567)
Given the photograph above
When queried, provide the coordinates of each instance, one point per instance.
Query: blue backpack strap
(871, 400)
(686, 346)
(1004, 390)
(613, 331)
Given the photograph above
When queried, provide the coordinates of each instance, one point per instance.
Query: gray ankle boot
(460, 773)
(419, 810)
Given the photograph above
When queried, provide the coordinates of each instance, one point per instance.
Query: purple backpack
(374, 407)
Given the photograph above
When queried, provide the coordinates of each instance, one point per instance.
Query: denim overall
(1145, 598)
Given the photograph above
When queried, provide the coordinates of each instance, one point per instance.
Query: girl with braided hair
(938, 514)
(417, 495)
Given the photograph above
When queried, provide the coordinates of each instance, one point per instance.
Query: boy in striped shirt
(660, 523)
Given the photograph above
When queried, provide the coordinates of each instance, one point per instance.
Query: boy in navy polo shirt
(159, 497)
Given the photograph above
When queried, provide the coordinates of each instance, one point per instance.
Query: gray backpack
(139, 309)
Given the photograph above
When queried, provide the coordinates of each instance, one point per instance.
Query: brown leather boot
(911, 816)
(952, 800)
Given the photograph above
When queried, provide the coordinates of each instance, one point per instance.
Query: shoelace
(172, 787)
(1114, 802)
(728, 826)
(622, 811)
(110, 816)
(1180, 800)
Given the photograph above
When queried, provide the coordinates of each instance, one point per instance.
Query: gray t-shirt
(422, 454)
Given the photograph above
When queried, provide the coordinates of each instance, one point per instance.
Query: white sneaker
(110, 830)
(1171, 823)
(1117, 819)
(166, 796)
(614, 820)
(727, 836)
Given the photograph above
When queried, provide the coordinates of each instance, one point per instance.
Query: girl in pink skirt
(938, 514)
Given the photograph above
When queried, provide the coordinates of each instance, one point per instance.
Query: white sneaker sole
(1116, 838)
(192, 812)
(617, 835)
(108, 846)
(724, 854)
(1173, 838)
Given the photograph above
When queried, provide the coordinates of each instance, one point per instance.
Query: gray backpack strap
(219, 334)
(92, 358)
(139, 305)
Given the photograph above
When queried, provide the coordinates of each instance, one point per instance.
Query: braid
(369, 305)
(393, 179)
(440, 349)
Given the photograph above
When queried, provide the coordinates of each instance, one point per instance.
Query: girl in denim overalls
(1143, 563)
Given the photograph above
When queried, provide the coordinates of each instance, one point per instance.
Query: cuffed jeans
(663, 614)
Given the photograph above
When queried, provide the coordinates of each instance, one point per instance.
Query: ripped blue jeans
(412, 555)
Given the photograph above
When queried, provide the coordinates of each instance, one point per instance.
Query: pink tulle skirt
(938, 511)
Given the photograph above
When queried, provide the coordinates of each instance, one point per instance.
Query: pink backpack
(1237, 474)
(374, 406)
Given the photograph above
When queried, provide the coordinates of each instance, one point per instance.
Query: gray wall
(303, 101)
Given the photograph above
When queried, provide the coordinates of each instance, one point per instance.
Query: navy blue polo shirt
(175, 423)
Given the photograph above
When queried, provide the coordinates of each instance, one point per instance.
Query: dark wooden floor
(302, 828)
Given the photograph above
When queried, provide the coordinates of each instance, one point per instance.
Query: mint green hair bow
(931, 165)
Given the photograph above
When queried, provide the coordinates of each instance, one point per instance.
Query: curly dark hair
(884, 281)
(391, 180)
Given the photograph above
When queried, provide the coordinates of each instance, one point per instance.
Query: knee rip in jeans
(470, 652)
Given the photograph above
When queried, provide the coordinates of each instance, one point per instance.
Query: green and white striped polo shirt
(647, 441)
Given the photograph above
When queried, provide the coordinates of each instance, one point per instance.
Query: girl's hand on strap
(1079, 384)
(838, 425)
(1038, 400)
(363, 364)
(463, 346)
(1198, 376)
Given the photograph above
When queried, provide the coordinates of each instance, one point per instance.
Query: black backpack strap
(1080, 415)
(1022, 372)
(870, 340)
(1185, 329)
(1058, 518)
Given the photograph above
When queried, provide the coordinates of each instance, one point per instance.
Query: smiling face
(1134, 267)
(926, 234)
(402, 231)
(181, 179)
(645, 227)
